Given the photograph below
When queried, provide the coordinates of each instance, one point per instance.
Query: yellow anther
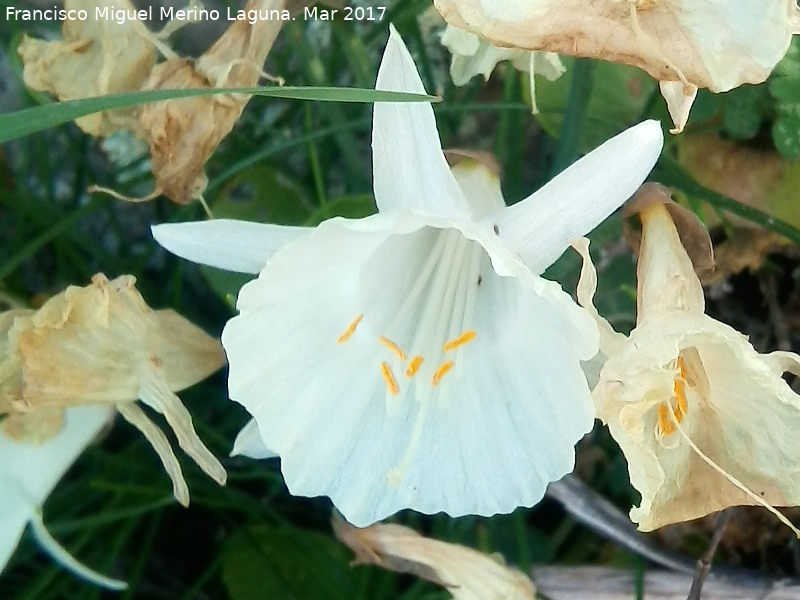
(464, 338)
(388, 377)
(682, 368)
(665, 425)
(441, 372)
(414, 366)
(680, 393)
(351, 329)
(393, 347)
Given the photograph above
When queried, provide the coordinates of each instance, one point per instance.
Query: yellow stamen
(665, 426)
(414, 366)
(441, 372)
(464, 338)
(679, 388)
(682, 368)
(393, 347)
(388, 377)
(351, 329)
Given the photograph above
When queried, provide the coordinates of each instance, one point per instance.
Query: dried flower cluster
(97, 57)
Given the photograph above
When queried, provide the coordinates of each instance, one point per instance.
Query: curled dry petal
(705, 421)
(102, 344)
(94, 57)
(183, 133)
(677, 41)
(466, 573)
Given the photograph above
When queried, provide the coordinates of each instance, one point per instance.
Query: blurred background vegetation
(296, 162)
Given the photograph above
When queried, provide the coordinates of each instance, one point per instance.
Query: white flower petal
(486, 439)
(474, 56)
(62, 556)
(578, 199)
(409, 168)
(249, 443)
(28, 473)
(228, 244)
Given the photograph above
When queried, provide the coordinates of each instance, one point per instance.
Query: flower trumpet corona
(705, 421)
(102, 345)
(678, 42)
(466, 573)
(415, 358)
(30, 467)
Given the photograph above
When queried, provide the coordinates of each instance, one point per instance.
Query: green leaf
(786, 90)
(672, 174)
(619, 96)
(790, 64)
(30, 120)
(290, 564)
(786, 134)
(351, 207)
(265, 194)
(741, 114)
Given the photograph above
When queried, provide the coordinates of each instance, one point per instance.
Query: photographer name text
(122, 16)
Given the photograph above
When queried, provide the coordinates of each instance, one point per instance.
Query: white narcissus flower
(415, 358)
(684, 44)
(475, 56)
(464, 572)
(29, 471)
(705, 421)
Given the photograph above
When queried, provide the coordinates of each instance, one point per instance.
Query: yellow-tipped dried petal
(464, 572)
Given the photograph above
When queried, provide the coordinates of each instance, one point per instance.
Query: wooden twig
(704, 564)
(600, 583)
(589, 508)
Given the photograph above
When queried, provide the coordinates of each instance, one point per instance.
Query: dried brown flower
(101, 344)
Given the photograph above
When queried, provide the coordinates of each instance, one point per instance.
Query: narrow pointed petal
(249, 443)
(578, 199)
(611, 342)
(28, 472)
(666, 280)
(62, 556)
(239, 246)
(409, 168)
(155, 393)
(134, 415)
(679, 102)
